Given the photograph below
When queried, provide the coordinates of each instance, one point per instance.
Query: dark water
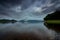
(10, 31)
(55, 27)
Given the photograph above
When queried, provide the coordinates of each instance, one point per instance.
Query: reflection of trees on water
(55, 27)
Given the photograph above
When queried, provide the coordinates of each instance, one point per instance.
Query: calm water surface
(38, 29)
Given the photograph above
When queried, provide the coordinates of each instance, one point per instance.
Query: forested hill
(7, 21)
(53, 16)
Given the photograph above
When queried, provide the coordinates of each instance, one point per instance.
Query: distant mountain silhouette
(7, 21)
(31, 21)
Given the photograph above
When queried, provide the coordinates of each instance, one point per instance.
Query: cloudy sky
(27, 9)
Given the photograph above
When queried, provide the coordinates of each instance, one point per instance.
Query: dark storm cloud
(5, 6)
(18, 9)
(27, 3)
(23, 3)
(10, 1)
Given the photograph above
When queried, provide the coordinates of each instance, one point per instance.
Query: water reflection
(52, 26)
(55, 27)
(39, 31)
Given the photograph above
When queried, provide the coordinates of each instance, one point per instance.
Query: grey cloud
(11, 8)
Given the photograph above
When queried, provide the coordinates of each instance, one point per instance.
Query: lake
(14, 31)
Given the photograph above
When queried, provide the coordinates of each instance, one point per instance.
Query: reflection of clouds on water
(36, 28)
(27, 9)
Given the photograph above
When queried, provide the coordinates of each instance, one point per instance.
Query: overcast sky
(27, 9)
